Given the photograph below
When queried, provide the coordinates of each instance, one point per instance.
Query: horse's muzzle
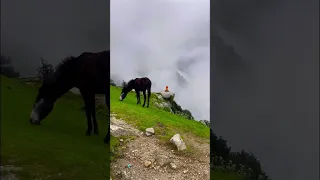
(34, 122)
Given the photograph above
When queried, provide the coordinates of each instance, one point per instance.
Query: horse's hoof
(96, 132)
(88, 133)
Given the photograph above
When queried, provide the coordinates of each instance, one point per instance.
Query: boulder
(167, 95)
(176, 140)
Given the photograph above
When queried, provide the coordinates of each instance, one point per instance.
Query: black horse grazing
(88, 72)
(138, 84)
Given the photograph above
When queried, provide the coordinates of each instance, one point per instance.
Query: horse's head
(126, 89)
(43, 104)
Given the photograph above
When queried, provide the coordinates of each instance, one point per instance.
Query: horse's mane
(65, 66)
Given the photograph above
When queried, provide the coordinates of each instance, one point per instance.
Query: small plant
(123, 84)
(45, 69)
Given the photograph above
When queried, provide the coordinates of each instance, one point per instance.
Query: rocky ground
(145, 158)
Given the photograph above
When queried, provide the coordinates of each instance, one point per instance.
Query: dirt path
(148, 159)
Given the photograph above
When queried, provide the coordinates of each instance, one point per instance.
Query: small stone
(147, 163)
(121, 140)
(149, 131)
(185, 171)
(173, 166)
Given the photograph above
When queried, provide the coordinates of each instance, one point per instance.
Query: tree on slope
(45, 69)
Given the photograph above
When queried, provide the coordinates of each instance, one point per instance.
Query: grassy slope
(58, 148)
(143, 118)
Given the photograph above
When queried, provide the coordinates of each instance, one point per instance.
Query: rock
(205, 122)
(166, 105)
(176, 140)
(114, 128)
(166, 95)
(162, 160)
(173, 166)
(185, 171)
(156, 104)
(149, 131)
(159, 96)
(147, 163)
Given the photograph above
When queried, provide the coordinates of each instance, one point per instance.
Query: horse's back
(95, 71)
(143, 83)
(147, 81)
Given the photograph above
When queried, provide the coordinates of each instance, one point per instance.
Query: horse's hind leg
(149, 94)
(144, 98)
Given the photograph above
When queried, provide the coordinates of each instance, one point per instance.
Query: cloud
(167, 41)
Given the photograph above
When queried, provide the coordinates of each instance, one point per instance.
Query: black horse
(88, 72)
(138, 84)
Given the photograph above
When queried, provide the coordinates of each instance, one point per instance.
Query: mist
(52, 30)
(167, 41)
(270, 104)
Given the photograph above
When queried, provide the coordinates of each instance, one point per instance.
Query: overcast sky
(52, 30)
(270, 104)
(167, 41)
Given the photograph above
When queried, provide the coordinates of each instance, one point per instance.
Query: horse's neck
(61, 88)
(129, 89)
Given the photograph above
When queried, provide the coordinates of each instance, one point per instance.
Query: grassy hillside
(58, 148)
(171, 124)
(143, 118)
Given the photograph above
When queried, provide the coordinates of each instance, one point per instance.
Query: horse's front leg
(93, 114)
(88, 108)
(138, 97)
(144, 98)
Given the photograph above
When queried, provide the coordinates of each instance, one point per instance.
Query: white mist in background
(168, 42)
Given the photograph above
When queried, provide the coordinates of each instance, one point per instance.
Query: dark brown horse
(138, 84)
(88, 72)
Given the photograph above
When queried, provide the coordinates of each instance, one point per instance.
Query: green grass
(165, 123)
(58, 148)
(225, 176)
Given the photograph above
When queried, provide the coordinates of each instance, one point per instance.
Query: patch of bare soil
(7, 172)
(146, 158)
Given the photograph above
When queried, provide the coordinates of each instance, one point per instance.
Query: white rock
(114, 128)
(176, 140)
(173, 166)
(149, 131)
(166, 95)
(147, 163)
